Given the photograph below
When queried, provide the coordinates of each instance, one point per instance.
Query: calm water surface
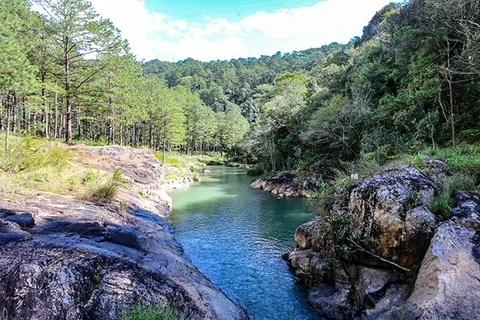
(236, 235)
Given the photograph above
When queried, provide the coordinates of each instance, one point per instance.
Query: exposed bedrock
(393, 235)
(63, 258)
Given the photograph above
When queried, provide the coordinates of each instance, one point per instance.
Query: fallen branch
(359, 247)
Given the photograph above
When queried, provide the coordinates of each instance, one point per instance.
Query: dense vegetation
(409, 82)
(157, 312)
(67, 73)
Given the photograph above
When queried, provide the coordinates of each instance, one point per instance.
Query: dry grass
(42, 165)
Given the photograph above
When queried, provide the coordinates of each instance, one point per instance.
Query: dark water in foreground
(236, 235)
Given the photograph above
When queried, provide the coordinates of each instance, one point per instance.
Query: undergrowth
(143, 312)
(182, 161)
(106, 192)
(29, 154)
(463, 159)
(443, 202)
(173, 175)
(256, 170)
(37, 164)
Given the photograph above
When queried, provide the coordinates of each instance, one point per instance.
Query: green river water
(236, 235)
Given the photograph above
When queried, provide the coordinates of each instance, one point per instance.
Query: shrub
(173, 175)
(29, 154)
(442, 204)
(143, 312)
(106, 192)
(256, 170)
(463, 159)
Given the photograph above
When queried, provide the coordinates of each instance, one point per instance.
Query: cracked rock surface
(64, 258)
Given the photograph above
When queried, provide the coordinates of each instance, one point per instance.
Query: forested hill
(409, 82)
(242, 81)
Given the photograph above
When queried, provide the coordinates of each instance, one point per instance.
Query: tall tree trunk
(164, 147)
(150, 134)
(79, 124)
(7, 129)
(47, 121)
(28, 119)
(452, 111)
(134, 135)
(450, 93)
(45, 107)
(110, 123)
(13, 107)
(121, 134)
(56, 115)
(68, 100)
(193, 145)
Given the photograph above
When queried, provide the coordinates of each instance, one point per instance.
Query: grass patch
(107, 191)
(143, 312)
(29, 154)
(37, 164)
(174, 175)
(183, 161)
(443, 203)
(463, 159)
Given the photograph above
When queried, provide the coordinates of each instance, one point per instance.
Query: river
(236, 235)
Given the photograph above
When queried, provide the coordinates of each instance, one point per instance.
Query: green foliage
(407, 83)
(106, 192)
(443, 203)
(183, 161)
(464, 159)
(342, 225)
(256, 170)
(142, 311)
(29, 154)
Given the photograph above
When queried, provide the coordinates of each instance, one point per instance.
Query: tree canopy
(410, 81)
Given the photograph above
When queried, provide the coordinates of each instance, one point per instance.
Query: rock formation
(63, 258)
(287, 184)
(359, 259)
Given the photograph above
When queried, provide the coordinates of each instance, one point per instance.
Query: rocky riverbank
(360, 258)
(61, 257)
(287, 184)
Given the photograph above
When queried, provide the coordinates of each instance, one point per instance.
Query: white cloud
(154, 35)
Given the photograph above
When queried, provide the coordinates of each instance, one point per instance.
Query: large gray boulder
(448, 283)
(392, 222)
(390, 209)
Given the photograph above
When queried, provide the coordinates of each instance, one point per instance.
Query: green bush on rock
(106, 192)
(142, 311)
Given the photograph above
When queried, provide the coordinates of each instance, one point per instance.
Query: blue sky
(233, 10)
(207, 30)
